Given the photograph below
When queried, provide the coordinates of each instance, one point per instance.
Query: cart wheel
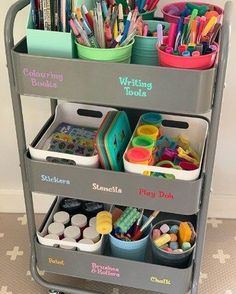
(54, 292)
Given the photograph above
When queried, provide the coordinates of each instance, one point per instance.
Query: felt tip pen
(120, 18)
(169, 50)
(186, 53)
(116, 41)
(104, 8)
(108, 34)
(172, 35)
(115, 30)
(128, 39)
(153, 5)
(202, 24)
(145, 225)
(126, 28)
(215, 32)
(87, 15)
(213, 47)
(182, 48)
(145, 30)
(159, 34)
(179, 32)
(209, 26)
(196, 54)
(82, 33)
(199, 48)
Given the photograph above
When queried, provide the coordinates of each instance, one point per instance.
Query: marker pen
(116, 41)
(128, 39)
(104, 8)
(159, 34)
(90, 34)
(199, 48)
(186, 54)
(196, 53)
(169, 50)
(213, 47)
(172, 35)
(82, 33)
(120, 18)
(126, 28)
(87, 15)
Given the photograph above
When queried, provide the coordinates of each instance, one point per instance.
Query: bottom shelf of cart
(107, 269)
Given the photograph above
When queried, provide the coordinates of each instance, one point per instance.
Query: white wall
(36, 112)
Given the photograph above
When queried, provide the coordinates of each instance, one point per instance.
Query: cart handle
(10, 21)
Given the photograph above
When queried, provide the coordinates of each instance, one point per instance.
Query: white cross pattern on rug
(1, 235)
(221, 256)
(22, 219)
(42, 273)
(214, 222)
(115, 291)
(14, 253)
(3, 290)
(202, 277)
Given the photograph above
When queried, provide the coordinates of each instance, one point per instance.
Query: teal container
(117, 55)
(161, 257)
(134, 250)
(144, 49)
(49, 43)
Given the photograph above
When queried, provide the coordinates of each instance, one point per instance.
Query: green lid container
(119, 55)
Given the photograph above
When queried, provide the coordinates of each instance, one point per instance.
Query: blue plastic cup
(133, 250)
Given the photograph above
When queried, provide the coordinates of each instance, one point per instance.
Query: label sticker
(135, 87)
(42, 79)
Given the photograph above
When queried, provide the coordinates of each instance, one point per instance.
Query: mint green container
(144, 49)
(49, 43)
(118, 55)
(148, 15)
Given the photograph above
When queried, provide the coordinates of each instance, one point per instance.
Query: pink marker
(169, 50)
(172, 35)
(145, 30)
(196, 53)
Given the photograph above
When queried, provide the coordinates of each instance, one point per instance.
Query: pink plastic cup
(192, 62)
(180, 6)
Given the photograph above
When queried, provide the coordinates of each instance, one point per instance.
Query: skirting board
(12, 201)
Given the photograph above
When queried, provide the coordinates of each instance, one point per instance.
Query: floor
(217, 274)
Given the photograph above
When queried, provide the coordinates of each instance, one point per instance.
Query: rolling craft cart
(200, 92)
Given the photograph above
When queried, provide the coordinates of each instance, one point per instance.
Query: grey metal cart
(183, 92)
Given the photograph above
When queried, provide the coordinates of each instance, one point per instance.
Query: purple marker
(213, 47)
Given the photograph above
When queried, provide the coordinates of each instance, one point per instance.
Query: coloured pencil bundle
(104, 27)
